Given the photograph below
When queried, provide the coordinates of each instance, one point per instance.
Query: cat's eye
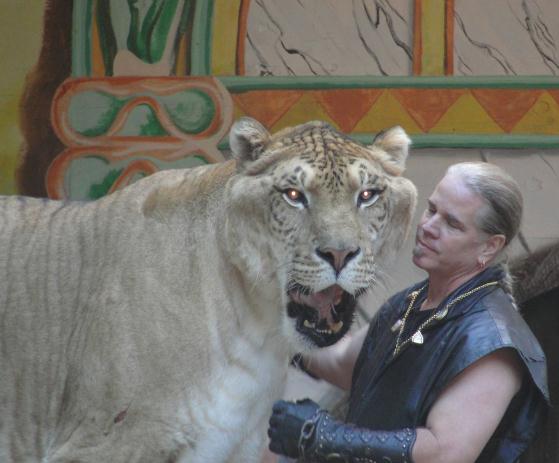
(294, 197)
(368, 197)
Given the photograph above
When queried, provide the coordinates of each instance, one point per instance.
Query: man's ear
(394, 145)
(492, 247)
(248, 139)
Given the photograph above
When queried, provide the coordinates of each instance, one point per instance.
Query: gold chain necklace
(417, 337)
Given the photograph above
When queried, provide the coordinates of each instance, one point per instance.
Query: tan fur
(151, 325)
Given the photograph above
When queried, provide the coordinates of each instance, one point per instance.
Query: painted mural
(124, 88)
(98, 93)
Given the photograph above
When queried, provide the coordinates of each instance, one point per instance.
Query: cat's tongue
(323, 301)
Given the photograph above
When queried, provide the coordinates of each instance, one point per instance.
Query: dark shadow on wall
(542, 314)
(41, 145)
(537, 292)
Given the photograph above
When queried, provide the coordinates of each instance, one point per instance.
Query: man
(447, 371)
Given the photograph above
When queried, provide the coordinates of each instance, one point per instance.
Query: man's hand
(286, 424)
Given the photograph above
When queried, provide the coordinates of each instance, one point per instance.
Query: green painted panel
(200, 55)
(149, 28)
(142, 121)
(81, 38)
(238, 84)
(92, 113)
(97, 190)
(192, 111)
(90, 177)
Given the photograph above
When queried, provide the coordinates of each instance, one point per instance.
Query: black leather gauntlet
(334, 441)
(322, 439)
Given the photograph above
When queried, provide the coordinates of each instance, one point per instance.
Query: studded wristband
(334, 441)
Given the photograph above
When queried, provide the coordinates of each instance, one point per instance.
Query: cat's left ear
(393, 147)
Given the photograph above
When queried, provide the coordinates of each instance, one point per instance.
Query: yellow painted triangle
(542, 118)
(466, 115)
(386, 112)
(306, 109)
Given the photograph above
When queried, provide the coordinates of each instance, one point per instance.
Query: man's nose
(430, 226)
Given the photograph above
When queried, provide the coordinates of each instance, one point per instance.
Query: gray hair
(499, 191)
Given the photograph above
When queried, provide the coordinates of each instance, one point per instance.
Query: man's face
(447, 240)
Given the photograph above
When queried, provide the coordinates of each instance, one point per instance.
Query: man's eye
(368, 197)
(294, 197)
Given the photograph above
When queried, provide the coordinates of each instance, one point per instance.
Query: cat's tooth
(337, 326)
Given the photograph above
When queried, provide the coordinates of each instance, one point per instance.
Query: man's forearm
(335, 363)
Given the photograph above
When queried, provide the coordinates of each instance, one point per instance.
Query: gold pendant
(396, 326)
(417, 338)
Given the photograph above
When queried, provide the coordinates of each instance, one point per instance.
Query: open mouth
(323, 317)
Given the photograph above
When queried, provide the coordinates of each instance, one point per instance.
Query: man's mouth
(423, 245)
(323, 317)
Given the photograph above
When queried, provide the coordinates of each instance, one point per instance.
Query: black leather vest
(391, 393)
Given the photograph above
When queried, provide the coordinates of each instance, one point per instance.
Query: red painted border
(417, 38)
(241, 37)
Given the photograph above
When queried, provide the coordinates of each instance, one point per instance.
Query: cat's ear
(248, 139)
(393, 145)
